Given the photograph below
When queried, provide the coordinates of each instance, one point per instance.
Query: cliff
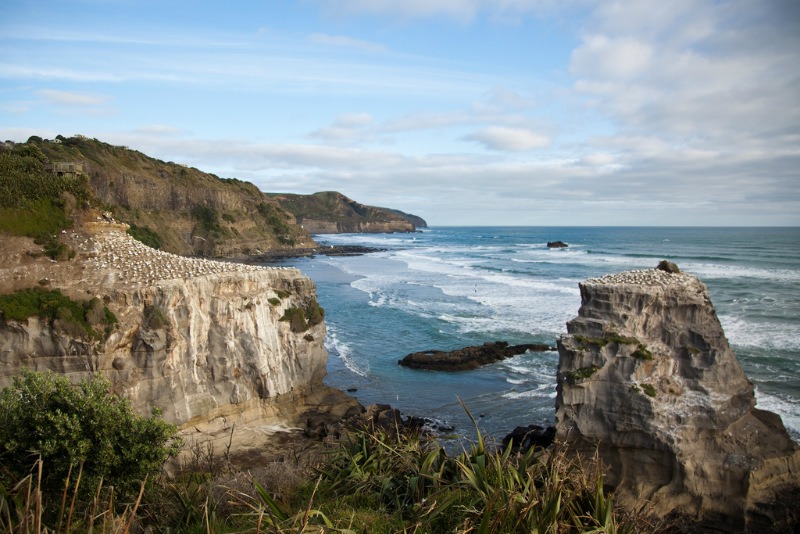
(209, 343)
(647, 379)
(178, 208)
(333, 213)
(190, 211)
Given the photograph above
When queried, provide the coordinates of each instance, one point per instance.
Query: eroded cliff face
(199, 340)
(646, 378)
(314, 226)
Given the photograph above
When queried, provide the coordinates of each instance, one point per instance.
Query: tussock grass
(374, 480)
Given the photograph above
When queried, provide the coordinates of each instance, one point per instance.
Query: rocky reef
(646, 379)
(467, 358)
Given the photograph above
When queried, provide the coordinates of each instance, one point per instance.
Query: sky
(464, 112)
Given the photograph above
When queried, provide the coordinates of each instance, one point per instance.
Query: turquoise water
(446, 288)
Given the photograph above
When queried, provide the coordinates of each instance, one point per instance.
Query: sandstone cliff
(209, 343)
(333, 213)
(646, 378)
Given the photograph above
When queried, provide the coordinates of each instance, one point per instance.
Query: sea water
(450, 287)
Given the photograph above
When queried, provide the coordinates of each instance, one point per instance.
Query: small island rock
(468, 357)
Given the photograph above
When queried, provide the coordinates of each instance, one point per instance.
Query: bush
(208, 220)
(43, 414)
(301, 319)
(146, 235)
(649, 390)
(51, 304)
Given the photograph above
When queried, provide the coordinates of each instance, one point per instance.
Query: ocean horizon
(448, 287)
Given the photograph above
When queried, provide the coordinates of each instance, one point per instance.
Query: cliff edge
(211, 344)
(647, 379)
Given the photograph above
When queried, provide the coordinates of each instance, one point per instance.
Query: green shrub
(649, 390)
(296, 317)
(642, 353)
(301, 319)
(601, 342)
(276, 220)
(146, 235)
(208, 220)
(67, 426)
(51, 304)
(274, 301)
(582, 373)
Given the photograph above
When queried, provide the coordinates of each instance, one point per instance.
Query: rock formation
(208, 343)
(330, 212)
(468, 357)
(556, 244)
(647, 379)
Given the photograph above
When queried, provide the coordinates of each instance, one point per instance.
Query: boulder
(523, 438)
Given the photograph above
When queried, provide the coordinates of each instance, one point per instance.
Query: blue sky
(465, 112)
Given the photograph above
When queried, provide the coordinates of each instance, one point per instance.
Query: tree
(42, 414)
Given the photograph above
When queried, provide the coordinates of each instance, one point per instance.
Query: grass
(373, 480)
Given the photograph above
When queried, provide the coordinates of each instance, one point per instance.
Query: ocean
(450, 287)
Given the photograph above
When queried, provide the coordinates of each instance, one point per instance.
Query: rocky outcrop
(330, 212)
(556, 244)
(208, 343)
(467, 358)
(647, 379)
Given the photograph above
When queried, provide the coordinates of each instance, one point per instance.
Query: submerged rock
(647, 379)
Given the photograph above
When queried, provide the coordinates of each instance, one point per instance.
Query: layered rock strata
(647, 379)
(208, 343)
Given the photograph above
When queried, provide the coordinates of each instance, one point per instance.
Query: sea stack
(647, 379)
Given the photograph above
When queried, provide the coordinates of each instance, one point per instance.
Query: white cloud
(68, 98)
(616, 58)
(349, 127)
(509, 139)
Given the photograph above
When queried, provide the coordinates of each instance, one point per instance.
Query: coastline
(310, 252)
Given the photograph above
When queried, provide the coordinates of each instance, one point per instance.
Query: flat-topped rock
(647, 379)
(469, 357)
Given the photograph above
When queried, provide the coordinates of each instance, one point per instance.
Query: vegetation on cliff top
(38, 204)
(331, 206)
(160, 200)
